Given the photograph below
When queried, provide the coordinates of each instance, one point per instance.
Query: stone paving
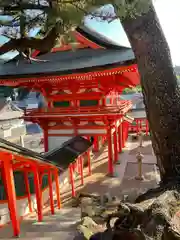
(63, 224)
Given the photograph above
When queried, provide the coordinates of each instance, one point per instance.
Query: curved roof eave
(98, 38)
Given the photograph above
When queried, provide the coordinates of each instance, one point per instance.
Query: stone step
(62, 226)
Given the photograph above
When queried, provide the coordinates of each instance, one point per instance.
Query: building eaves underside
(98, 38)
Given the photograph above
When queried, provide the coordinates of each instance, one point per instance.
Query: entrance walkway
(63, 224)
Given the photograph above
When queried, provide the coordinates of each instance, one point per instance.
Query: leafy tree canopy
(57, 19)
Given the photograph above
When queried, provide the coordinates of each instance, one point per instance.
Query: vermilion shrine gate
(81, 89)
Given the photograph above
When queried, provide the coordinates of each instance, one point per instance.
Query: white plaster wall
(56, 141)
(22, 207)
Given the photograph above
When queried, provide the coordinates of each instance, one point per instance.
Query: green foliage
(132, 90)
(69, 14)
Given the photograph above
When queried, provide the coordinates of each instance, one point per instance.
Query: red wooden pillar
(56, 175)
(8, 179)
(115, 146)
(123, 134)
(127, 130)
(104, 101)
(110, 153)
(120, 138)
(41, 174)
(96, 144)
(51, 191)
(28, 190)
(71, 174)
(38, 193)
(81, 169)
(46, 147)
(89, 162)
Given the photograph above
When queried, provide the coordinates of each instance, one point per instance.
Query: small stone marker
(139, 157)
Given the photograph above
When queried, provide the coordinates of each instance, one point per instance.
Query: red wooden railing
(78, 167)
(141, 125)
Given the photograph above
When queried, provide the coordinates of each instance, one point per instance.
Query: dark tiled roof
(16, 149)
(60, 157)
(98, 38)
(67, 62)
(69, 151)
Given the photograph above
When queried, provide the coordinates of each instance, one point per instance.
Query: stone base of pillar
(140, 178)
(112, 175)
(118, 162)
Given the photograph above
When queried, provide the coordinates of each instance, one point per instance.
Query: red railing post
(8, 179)
(120, 138)
(110, 159)
(38, 193)
(28, 190)
(57, 189)
(71, 174)
(89, 162)
(96, 144)
(81, 169)
(51, 191)
(115, 146)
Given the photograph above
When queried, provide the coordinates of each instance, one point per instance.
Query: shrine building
(81, 89)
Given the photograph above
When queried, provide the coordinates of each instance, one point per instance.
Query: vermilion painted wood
(110, 153)
(82, 42)
(120, 138)
(117, 78)
(8, 178)
(56, 175)
(71, 174)
(89, 162)
(96, 143)
(38, 194)
(123, 134)
(28, 191)
(51, 192)
(115, 146)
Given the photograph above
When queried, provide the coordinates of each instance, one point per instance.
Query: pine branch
(43, 45)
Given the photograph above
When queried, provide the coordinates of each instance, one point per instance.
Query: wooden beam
(8, 178)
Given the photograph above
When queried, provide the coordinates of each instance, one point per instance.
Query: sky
(168, 12)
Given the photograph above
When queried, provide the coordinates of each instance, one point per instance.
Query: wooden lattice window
(86, 103)
(61, 104)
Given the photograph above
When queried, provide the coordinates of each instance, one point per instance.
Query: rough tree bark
(160, 89)
(155, 214)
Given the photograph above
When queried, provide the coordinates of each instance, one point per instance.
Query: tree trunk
(155, 214)
(160, 89)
